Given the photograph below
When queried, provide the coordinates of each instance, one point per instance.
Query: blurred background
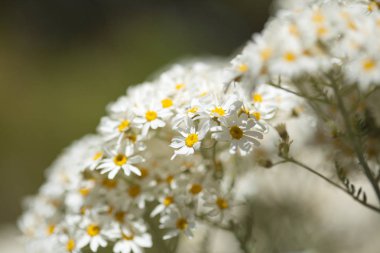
(62, 61)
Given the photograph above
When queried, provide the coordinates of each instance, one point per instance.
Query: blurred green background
(62, 61)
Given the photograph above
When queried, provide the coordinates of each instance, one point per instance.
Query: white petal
(134, 170)
(144, 241)
(136, 159)
(157, 210)
(113, 173)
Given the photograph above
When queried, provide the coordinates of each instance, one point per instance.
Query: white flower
(189, 141)
(151, 117)
(94, 234)
(115, 128)
(124, 159)
(191, 111)
(217, 205)
(178, 223)
(139, 194)
(168, 200)
(239, 131)
(69, 244)
(365, 70)
(218, 109)
(132, 240)
(95, 160)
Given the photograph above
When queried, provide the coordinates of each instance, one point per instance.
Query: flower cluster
(368, 5)
(312, 41)
(165, 150)
(168, 153)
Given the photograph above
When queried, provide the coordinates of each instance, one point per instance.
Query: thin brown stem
(331, 182)
(278, 86)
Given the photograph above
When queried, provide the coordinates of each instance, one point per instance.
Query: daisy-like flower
(115, 128)
(94, 235)
(222, 109)
(217, 205)
(365, 71)
(266, 101)
(133, 239)
(95, 160)
(239, 131)
(139, 194)
(151, 117)
(167, 201)
(69, 244)
(190, 111)
(291, 60)
(189, 141)
(121, 160)
(178, 223)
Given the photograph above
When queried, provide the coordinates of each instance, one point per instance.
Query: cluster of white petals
(313, 40)
(165, 156)
(162, 150)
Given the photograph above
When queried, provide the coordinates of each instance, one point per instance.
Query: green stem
(355, 142)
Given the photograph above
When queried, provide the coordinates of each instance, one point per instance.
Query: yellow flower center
(93, 230)
(119, 216)
(257, 98)
(50, 229)
(318, 17)
(120, 159)
(128, 237)
(266, 53)
(123, 125)
(369, 64)
(97, 156)
(203, 94)
(70, 245)
(150, 115)
(193, 109)
(191, 139)
(179, 86)
(134, 191)
(144, 172)
(257, 115)
(236, 132)
(181, 224)
(84, 191)
(195, 189)
(243, 68)
(166, 103)
(351, 25)
(219, 111)
(222, 203)
(321, 31)
(290, 57)
(132, 137)
(373, 6)
(168, 200)
(169, 179)
(293, 29)
(109, 183)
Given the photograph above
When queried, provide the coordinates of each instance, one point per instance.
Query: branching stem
(355, 141)
(331, 182)
(278, 86)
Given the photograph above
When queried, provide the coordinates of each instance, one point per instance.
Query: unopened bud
(282, 132)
